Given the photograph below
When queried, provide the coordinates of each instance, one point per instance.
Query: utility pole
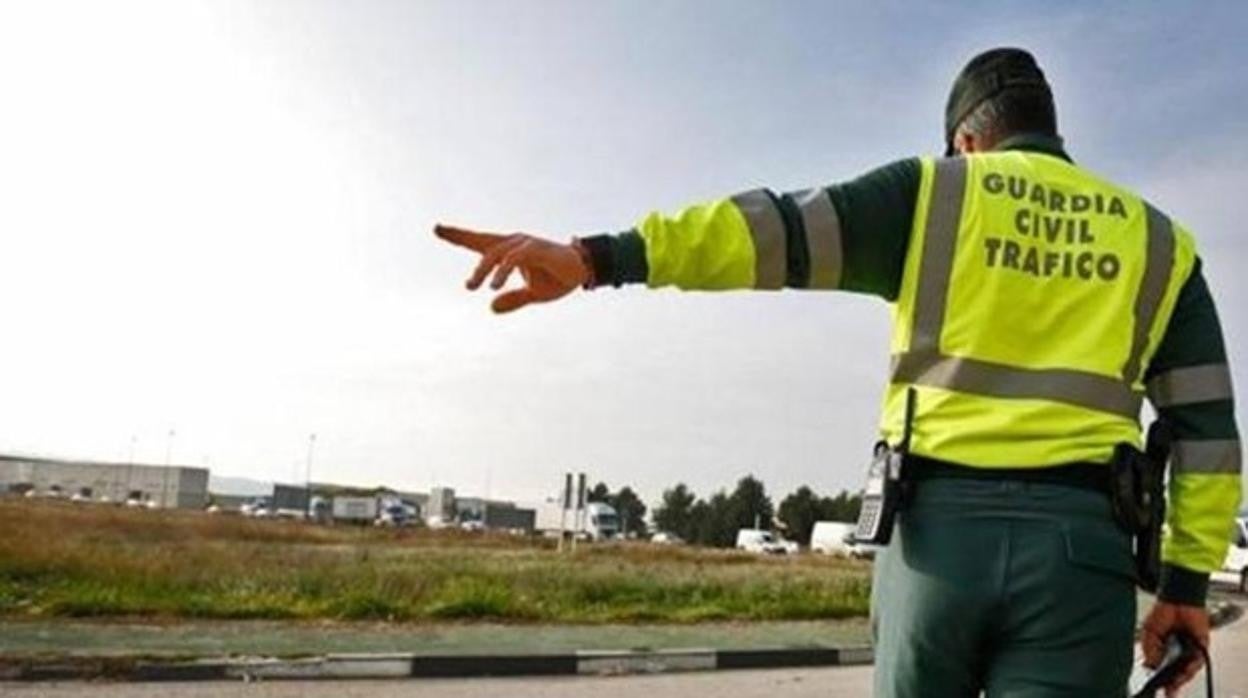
(565, 503)
(578, 518)
(307, 480)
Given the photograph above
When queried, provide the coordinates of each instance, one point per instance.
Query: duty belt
(1082, 475)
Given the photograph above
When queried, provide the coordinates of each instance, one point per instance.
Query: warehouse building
(163, 486)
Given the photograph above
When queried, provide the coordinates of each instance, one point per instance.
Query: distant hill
(244, 486)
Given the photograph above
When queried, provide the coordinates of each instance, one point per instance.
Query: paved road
(1230, 649)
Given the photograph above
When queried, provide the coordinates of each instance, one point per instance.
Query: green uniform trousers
(1009, 588)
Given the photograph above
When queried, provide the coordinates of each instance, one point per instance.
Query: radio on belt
(882, 497)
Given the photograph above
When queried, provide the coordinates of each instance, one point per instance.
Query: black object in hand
(1181, 650)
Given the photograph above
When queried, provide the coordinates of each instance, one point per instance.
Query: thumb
(512, 300)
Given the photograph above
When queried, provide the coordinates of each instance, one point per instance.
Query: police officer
(1035, 305)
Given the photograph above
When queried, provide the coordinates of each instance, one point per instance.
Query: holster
(1137, 492)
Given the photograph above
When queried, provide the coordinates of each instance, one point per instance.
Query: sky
(215, 221)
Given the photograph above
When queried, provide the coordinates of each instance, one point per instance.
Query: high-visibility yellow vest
(1034, 296)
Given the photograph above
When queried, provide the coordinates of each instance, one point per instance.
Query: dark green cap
(986, 76)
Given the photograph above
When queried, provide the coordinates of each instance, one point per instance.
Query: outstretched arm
(850, 236)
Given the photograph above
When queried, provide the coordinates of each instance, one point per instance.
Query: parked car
(1235, 568)
(665, 538)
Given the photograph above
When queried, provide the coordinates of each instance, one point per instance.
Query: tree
(749, 505)
(699, 523)
(713, 522)
(598, 493)
(675, 513)
(842, 507)
(799, 511)
(631, 509)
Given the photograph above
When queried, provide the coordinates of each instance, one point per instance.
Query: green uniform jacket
(875, 215)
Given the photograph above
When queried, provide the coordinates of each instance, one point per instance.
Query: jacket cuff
(1183, 586)
(617, 259)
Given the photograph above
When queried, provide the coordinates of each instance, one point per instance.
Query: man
(1034, 304)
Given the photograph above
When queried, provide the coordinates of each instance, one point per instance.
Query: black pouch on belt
(1137, 491)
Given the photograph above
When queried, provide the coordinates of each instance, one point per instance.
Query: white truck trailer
(355, 509)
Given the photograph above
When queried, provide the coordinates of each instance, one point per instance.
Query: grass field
(63, 560)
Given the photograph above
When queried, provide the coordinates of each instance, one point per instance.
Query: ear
(964, 142)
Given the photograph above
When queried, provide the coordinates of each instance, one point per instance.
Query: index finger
(471, 239)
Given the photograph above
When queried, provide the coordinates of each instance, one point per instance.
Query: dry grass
(59, 559)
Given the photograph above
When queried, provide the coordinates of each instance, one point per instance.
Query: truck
(757, 540)
(355, 509)
(1235, 567)
(598, 521)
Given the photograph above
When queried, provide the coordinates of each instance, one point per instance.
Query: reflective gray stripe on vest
(1185, 386)
(924, 364)
(995, 380)
(1158, 261)
(823, 237)
(940, 240)
(1217, 457)
(767, 231)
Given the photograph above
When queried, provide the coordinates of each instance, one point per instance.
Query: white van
(1235, 569)
(756, 540)
(832, 537)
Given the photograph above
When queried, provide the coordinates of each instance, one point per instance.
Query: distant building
(165, 486)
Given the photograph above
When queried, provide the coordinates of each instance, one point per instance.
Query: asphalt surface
(1230, 649)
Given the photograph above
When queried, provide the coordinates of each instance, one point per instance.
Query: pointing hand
(551, 270)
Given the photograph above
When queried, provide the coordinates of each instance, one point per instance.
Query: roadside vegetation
(63, 560)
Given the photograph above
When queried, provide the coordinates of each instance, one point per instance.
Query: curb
(406, 666)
